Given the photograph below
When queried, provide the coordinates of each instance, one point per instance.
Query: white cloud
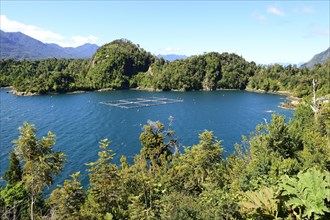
(43, 35)
(31, 30)
(275, 11)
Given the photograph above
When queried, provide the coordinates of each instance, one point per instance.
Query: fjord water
(79, 121)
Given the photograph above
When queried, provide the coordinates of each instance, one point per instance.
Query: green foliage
(235, 71)
(14, 173)
(152, 139)
(103, 193)
(145, 177)
(122, 65)
(278, 138)
(218, 201)
(208, 72)
(44, 76)
(308, 193)
(115, 63)
(190, 170)
(41, 162)
(178, 205)
(15, 202)
(66, 201)
(291, 78)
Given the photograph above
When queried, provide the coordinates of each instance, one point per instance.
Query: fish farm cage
(140, 102)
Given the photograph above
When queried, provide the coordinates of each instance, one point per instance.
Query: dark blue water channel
(80, 122)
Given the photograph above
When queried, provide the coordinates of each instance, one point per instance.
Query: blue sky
(260, 31)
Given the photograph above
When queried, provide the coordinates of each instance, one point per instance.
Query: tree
(41, 162)
(148, 170)
(278, 138)
(14, 173)
(67, 200)
(152, 139)
(189, 171)
(15, 202)
(14, 195)
(103, 195)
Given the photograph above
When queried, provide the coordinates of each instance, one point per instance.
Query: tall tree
(41, 162)
(104, 191)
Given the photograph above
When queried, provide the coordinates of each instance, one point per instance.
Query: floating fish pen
(141, 102)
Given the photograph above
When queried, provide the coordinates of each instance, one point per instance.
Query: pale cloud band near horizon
(46, 36)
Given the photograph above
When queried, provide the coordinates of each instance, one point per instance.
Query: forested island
(280, 171)
(123, 65)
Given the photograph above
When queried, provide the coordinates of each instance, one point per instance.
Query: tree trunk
(314, 94)
(32, 208)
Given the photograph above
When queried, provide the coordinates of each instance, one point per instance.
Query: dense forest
(280, 171)
(122, 65)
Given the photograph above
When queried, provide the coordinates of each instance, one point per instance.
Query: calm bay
(79, 120)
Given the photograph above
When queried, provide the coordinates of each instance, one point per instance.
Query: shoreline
(6, 87)
(292, 102)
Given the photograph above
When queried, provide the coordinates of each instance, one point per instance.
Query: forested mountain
(18, 46)
(318, 59)
(122, 65)
(113, 65)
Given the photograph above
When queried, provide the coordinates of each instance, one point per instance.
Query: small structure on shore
(140, 102)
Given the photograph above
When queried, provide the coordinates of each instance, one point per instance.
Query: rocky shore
(15, 92)
(24, 93)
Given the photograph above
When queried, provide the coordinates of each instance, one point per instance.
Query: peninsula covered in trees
(123, 65)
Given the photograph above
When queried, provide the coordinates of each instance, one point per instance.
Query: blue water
(80, 122)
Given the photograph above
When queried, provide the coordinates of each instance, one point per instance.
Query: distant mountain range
(17, 45)
(171, 57)
(318, 58)
(287, 64)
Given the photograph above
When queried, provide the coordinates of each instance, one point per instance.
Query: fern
(260, 203)
(307, 193)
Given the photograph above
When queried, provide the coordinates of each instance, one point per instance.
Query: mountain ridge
(18, 46)
(319, 58)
